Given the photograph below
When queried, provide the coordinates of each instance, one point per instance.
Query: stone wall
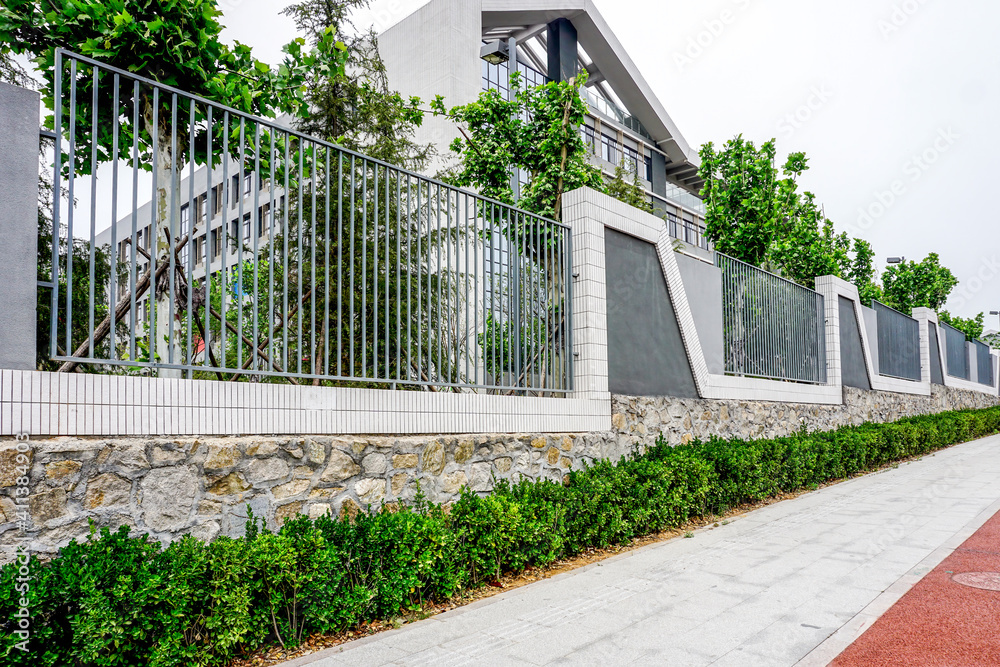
(642, 419)
(171, 486)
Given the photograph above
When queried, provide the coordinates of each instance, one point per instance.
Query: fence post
(19, 116)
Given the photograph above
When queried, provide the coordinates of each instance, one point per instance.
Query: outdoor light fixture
(495, 52)
(895, 260)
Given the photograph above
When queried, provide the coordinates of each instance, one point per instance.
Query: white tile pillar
(590, 313)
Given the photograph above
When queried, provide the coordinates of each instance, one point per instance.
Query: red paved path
(939, 622)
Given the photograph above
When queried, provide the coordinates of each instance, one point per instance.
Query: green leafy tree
(628, 190)
(175, 42)
(863, 274)
(354, 106)
(972, 327)
(537, 131)
(739, 194)
(911, 284)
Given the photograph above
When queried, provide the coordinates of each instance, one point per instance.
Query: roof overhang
(616, 68)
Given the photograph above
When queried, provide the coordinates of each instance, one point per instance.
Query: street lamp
(895, 260)
(495, 52)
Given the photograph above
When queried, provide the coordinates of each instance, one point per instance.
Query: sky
(893, 101)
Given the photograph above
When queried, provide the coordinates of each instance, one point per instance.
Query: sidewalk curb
(836, 643)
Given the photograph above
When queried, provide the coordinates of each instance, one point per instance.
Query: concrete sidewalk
(770, 588)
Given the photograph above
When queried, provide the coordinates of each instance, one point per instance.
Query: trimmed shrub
(121, 599)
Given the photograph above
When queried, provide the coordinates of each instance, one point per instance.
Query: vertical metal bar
(113, 293)
(271, 184)
(399, 277)
(477, 349)
(409, 274)
(133, 315)
(340, 259)
(172, 238)
(326, 268)
(224, 236)
(209, 248)
(153, 230)
(449, 343)
(420, 282)
(256, 227)
(364, 268)
(240, 242)
(387, 266)
(313, 185)
(300, 223)
(70, 209)
(439, 362)
(352, 372)
(464, 229)
(56, 205)
(284, 254)
(93, 212)
(375, 262)
(191, 244)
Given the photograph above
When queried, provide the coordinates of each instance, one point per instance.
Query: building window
(247, 185)
(216, 200)
(216, 242)
(609, 149)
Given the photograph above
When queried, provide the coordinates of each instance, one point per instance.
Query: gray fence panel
(771, 325)
(853, 370)
(984, 363)
(956, 354)
(646, 355)
(268, 253)
(898, 343)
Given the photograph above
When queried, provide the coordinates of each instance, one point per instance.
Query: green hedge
(123, 600)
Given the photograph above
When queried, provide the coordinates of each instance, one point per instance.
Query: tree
(354, 106)
(739, 193)
(628, 190)
(910, 284)
(174, 42)
(863, 274)
(972, 327)
(537, 131)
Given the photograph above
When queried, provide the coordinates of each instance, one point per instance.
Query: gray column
(18, 225)
(561, 44)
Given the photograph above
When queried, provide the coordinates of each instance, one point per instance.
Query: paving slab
(794, 581)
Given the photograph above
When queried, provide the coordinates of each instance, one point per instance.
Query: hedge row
(118, 599)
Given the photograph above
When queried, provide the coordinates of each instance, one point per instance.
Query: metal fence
(898, 343)
(263, 254)
(984, 363)
(773, 328)
(956, 353)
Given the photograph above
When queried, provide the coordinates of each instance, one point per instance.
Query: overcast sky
(894, 101)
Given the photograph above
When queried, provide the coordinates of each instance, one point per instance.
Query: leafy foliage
(121, 599)
(354, 106)
(972, 327)
(628, 190)
(537, 131)
(910, 284)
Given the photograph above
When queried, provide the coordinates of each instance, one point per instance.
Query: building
(458, 48)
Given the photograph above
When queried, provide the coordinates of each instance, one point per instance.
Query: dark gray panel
(562, 50)
(646, 355)
(854, 373)
(937, 374)
(659, 182)
(18, 225)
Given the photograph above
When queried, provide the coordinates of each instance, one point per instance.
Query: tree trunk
(166, 223)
